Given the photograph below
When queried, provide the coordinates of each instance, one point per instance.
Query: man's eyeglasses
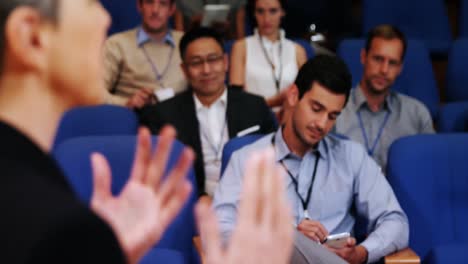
(198, 62)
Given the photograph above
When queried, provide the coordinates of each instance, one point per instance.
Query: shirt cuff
(372, 246)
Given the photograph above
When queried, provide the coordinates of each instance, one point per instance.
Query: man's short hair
(329, 71)
(198, 33)
(47, 8)
(387, 32)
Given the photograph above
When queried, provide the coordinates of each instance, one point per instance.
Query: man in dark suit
(208, 114)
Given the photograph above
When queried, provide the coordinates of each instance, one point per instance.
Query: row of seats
(427, 172)
(419, 19)
(116, 120)
(426, 20)
(73, 156)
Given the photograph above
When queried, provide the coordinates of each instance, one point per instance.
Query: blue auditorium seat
(160, 255)
(307, 47)
(453, 117)
(124, 14)
(426, 20)
(235, 144)
(73, 156)
(457, 71)
(463, 19)
(429, 175)
(95, 121)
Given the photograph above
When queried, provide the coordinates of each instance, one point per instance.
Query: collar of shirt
(359, 100)
(143, 37)
(269, 43)
(282, 150)
(199, 106)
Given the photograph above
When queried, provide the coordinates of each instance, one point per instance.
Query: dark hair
(387, 32)
(198, 33)
(47, 8)
(329, 71)
(250, 10)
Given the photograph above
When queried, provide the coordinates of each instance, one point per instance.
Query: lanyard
(216, 149)
(370, 150)
(159, 76)
(304, 202)
(272, 65)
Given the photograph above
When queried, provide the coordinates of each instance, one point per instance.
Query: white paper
(164, 94)
(214, 13)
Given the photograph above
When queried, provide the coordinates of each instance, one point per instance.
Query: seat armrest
(404, 256)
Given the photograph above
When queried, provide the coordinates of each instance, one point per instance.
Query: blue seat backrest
(95, 121)
(235, 144)
(307, 47)
(124, 15)
(429, 175)
(457, 71)
(73, 156)
(426, 20)
(453, 117)
(463, 19)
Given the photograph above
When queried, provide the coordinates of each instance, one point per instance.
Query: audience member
(144, 60)
(208, 114)
(50, 62)
(266, 63)
(376, 116)
(189, 15)
(329, 180)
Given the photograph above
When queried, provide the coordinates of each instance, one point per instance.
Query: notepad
(213, 13)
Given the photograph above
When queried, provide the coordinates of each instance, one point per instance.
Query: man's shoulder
(259, 144)
(407, 100)
(240, 95)
(177, 35)
(410, 105)
(175, 102)
(342, 147)
(123, 37)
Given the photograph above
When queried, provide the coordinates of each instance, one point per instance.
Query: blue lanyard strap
(272, 65)
(159, 76)
(304, 202)
(371, 150)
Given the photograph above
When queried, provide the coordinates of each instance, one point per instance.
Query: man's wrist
(362, 254)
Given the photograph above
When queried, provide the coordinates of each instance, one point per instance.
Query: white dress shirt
(213, 135)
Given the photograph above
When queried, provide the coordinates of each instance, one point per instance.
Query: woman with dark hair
(266, 63)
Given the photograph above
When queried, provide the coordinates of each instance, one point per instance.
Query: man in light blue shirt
(330, 181)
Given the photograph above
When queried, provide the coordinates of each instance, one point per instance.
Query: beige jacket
(127, 69)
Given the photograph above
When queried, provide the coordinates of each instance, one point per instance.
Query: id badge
(164, 93)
